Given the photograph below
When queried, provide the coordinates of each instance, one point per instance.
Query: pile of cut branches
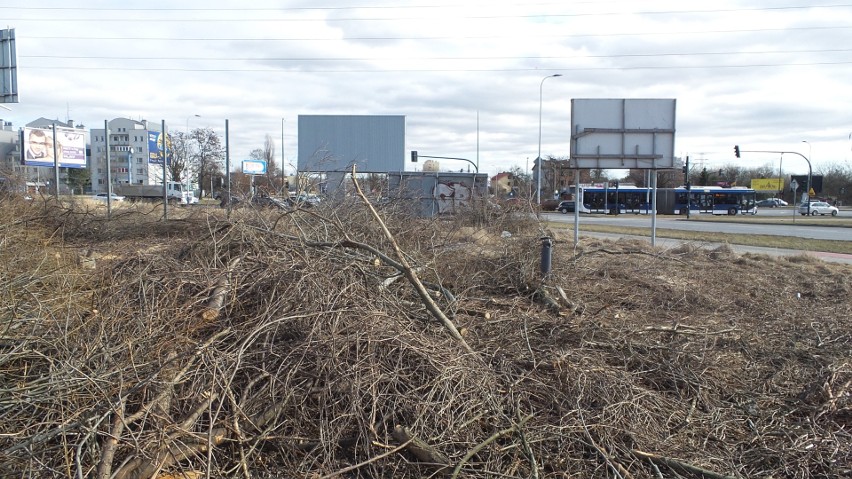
(307, 343)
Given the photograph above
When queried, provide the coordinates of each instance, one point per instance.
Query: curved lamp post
(539, 161)
(810, 169)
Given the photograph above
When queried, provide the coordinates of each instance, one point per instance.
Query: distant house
(503, 185)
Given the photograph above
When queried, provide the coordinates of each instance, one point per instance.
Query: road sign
(794, 185)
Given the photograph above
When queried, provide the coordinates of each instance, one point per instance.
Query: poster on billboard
(767, 184)
(254, 167)
(39, 149)
(155, 147)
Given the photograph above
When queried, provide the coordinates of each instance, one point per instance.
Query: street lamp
(539, 162)
(284, 192)
(806, 158)
(186, 156)
(809, 180)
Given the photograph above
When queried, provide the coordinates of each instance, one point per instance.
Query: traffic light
(737, 150)
(413, 156)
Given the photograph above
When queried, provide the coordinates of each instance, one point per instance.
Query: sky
(471, 77)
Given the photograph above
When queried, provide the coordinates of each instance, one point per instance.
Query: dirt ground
(326, 343)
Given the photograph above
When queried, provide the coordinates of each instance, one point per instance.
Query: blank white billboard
(622, 133)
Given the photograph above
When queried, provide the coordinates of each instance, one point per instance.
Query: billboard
(767, 184)
(620, 133)
(254, 167)
(334, 143)
(155, 147)
(8, 67)
(802, 180)
(39, 147)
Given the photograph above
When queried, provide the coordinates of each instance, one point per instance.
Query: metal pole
(809, 176)
(578, 203)
(654, 208)
(283, 191)
(688, 190)
(55, 164)
(108, 169)
(227, 168)
(165, 158)
(810, 169)
(546, 256)
(186, 158)
(539, 160)
(477, 140)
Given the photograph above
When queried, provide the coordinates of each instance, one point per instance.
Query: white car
(818, 208)
(103, 197)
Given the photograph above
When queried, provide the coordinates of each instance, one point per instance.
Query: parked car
(771, 203)
(103, 197)
(305, 199)
(271, 202)
(818, 208)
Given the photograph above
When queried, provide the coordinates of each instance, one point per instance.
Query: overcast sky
(466, 74)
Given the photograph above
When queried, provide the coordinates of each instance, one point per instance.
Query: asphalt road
(681, 223)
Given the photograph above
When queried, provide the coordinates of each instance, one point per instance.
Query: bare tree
(207, 159)
(178, 165)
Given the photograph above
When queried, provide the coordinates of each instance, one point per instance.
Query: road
(681, 223)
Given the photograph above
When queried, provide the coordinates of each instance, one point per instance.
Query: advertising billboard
(623, 133)
(335, 143)
(254, 167)
(39, 149)
(802, 180)
(767, 184)
(155, 147)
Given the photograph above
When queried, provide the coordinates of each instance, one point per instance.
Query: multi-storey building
(129, 154)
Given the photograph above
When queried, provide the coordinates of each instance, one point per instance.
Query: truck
(175, 192)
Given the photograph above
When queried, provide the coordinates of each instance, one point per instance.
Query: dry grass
(323, 362)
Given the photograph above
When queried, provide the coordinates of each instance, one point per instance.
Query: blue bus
(717, 200)
(624, 199)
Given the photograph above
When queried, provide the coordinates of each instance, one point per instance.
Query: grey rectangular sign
(622, 133)
(372, 143)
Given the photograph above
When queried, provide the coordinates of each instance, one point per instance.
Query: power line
(408, 57)
(445, 70)
(359, 19)
(447, 37)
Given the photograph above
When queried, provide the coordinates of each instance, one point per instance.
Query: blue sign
(254, 167)
(155, 147)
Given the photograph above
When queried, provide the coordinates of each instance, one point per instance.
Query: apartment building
(129, 157)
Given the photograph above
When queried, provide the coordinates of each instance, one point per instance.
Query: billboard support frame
(8, 67)
(648, 123)
(55, 164)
